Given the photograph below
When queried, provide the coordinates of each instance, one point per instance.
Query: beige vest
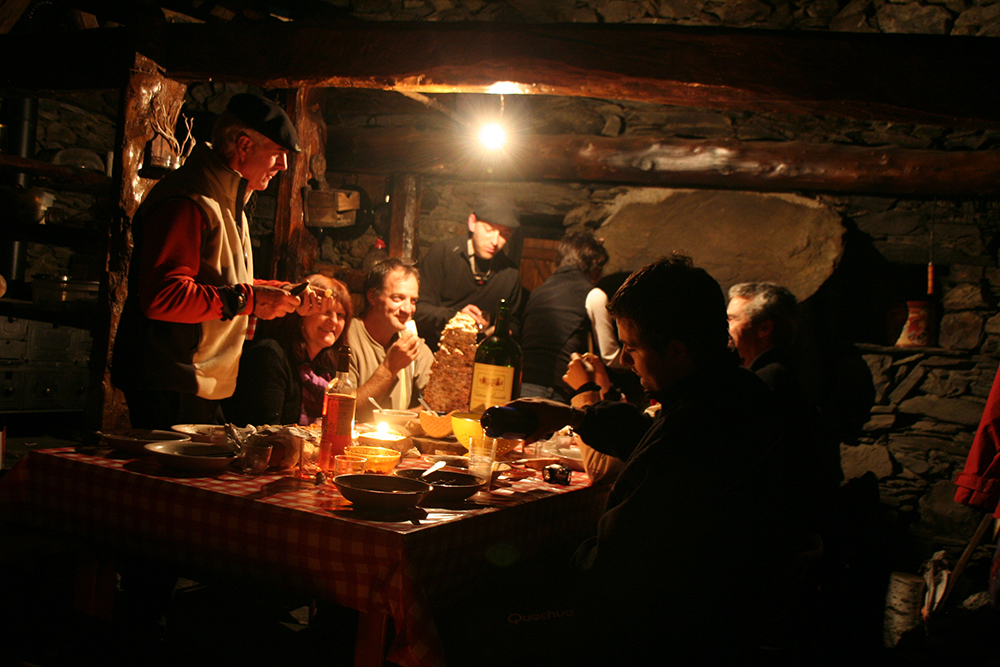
(226, 259)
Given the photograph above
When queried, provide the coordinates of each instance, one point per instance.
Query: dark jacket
(695, 528)
(555, 325)
(814, 454)
(447, 285)
(268, 390)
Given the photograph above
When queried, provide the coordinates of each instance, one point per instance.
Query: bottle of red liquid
(338, 412)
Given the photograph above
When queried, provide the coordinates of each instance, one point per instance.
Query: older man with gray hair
(191, 289)
(763, 326)
(762, 317)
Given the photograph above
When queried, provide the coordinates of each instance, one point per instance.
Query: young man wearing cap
(191, 286)
(470, 274)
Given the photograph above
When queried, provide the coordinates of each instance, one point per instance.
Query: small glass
(482, 453)
(254, 458)
(344, 464)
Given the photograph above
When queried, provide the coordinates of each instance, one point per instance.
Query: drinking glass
(254, 458)
(344, 464)
(482, 453)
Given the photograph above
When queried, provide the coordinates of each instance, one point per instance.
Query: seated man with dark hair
(389, 362)
(694, 535)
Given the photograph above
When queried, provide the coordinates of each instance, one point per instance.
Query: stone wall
(926, 408)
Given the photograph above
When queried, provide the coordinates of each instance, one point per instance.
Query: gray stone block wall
(927, 407)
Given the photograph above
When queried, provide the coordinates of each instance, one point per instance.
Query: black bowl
(382, 492)
(447, 486)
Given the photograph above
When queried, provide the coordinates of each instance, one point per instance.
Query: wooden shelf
(27, 310)
(57, 176)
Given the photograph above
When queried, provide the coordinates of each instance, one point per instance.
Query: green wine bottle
(496, 374)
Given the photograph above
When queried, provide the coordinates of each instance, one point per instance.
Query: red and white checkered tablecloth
(291, 533)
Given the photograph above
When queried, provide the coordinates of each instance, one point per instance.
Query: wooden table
(288, 532)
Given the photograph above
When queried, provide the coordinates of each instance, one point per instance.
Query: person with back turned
(556, 322)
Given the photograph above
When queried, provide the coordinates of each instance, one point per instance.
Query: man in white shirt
(389, 362)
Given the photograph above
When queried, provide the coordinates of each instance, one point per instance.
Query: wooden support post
(405, 200)
(294, 248)
(145, 94)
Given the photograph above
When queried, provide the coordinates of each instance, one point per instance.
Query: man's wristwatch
(234, 301)
(589, 386)
(576, 416)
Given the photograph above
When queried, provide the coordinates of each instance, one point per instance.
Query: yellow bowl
(505, 445)
(466, 426)
(379, 460)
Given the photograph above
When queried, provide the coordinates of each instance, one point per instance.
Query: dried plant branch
(163, 119)
(189, 141)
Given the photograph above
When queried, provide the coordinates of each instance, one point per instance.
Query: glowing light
(492, 136)
(504, 88)
(382, 428)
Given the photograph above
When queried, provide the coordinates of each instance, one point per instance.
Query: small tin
(556, 474)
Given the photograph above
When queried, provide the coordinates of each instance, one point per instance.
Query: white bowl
(395, 417)
(571, 457)
(191, 455)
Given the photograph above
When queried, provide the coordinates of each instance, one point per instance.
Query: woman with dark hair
(285, 369)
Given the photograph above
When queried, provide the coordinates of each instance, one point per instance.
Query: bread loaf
(451, 374)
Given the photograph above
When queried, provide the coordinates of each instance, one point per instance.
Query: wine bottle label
(338, 414)
(491, 385)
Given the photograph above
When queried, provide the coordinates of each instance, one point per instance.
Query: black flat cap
(266, 117)
(497, 209)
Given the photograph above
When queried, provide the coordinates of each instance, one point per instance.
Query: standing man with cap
(471, 274)
(191, 287)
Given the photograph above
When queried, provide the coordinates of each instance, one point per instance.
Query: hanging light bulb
(492, 136)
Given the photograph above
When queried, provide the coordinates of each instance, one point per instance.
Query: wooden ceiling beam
(909, 78)
(924, 79)
(666, 162)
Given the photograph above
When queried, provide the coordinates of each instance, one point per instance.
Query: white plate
(571, 458)
(133, 440)
(191, 455)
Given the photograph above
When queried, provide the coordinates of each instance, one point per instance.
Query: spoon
(375, 403)
(437, 466)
